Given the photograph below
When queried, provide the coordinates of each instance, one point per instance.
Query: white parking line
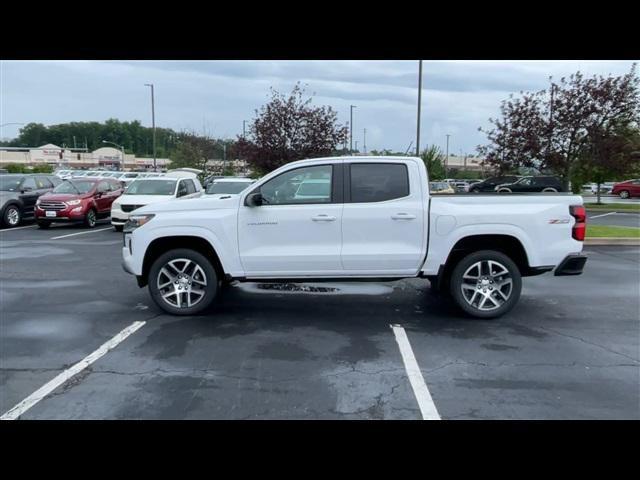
(17, 228)
(603, 215)
(49, 387)
(420, 390)
(81, 233)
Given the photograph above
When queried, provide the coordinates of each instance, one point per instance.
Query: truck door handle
(323, 218)
(403, 216)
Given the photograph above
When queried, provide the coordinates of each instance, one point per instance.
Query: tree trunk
(598, 192)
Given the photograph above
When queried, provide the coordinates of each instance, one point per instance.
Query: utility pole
(224, 157)
(364, 142)
(356, 145)
(153, 124)
(550, 121)
(419, 105)
(244, 123)
(351, 107)
(446, 158)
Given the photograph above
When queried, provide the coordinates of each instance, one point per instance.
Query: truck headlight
(136, 221)
(74, 202)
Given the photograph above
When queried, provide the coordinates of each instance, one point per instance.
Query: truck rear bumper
(571, 265)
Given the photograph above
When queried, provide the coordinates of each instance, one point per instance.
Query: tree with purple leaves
(561, 129)
(289, 128)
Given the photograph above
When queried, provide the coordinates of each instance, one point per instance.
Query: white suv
(175, 184)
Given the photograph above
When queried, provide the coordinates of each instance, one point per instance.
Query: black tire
(12, 216)
(210, 290)
(44, 225)
(624, 194)
(549, 189)
(513, 273)
(118, 228)
(505, 190)
(90, 218)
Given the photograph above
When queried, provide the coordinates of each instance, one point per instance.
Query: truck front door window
(302, 185)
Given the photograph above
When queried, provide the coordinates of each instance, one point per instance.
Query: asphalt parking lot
(569, 350)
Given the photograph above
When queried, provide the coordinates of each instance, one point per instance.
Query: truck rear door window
(377, 182)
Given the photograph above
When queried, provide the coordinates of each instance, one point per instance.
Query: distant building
(467, 163)
(105, 157)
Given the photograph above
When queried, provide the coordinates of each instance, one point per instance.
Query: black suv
(532, 184)
(19, 193)
(490, 184)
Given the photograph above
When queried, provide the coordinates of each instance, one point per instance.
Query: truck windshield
(75, 186)
(227, 187)
(152, 187)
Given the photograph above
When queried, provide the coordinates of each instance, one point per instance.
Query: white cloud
(458, 96)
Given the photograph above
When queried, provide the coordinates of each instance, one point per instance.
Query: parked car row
(19, 194)
(84, 199)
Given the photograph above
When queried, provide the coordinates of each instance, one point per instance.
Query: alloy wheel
(181, 283)
(13, 216)
(486, 285)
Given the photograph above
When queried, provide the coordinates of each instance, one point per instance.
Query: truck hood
(62, 197)
(220, 195)
(190, 204)
(143, 199)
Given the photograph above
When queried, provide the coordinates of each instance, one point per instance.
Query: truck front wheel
(183, 282)
(486, 284)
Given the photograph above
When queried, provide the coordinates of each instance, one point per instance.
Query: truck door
(383, 219)
(297, 229)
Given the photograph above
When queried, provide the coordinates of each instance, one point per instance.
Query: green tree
(193, 151)
(608, 155)
(433, 159)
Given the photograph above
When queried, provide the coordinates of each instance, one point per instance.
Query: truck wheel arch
(163, 244)
(507, 244)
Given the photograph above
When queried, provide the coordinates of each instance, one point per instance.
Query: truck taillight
(580, 228)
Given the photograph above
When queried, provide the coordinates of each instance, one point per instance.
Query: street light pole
(364, 142)
(153, 124)
(446, 159)
(351, 107)
(419, 107)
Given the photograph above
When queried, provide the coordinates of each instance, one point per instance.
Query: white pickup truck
(354, 218)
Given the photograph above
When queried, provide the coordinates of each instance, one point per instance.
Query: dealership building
(103, 158)
(106, 157)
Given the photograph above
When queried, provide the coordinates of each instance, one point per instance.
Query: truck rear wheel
(183, 282)
(486, 284)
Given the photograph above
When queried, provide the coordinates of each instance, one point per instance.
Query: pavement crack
(590, 343)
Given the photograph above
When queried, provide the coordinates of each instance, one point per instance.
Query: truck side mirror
(254, 200)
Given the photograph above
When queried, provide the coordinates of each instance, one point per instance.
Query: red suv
(630, 188)
(78, 200)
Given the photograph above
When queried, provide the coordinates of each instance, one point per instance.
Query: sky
(214, 97)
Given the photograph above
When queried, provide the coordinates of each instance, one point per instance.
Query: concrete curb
(612, 241)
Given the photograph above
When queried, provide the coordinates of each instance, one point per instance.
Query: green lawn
(599, 231)
(614, 207)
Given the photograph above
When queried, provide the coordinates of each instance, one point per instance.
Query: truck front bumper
(571, 265)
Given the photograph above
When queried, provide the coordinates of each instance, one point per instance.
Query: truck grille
(130, 208)
(57, 206)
